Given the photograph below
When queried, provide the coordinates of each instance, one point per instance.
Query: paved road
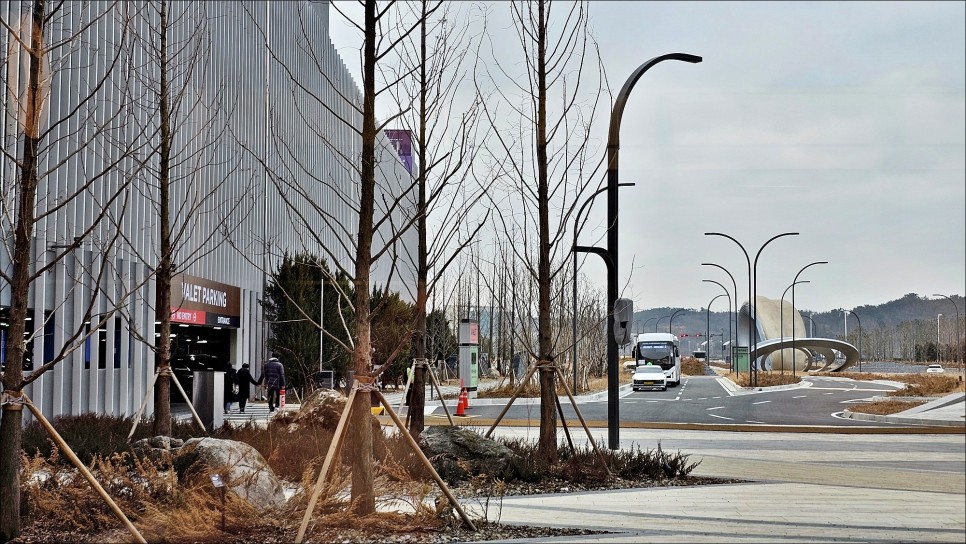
(708, 400)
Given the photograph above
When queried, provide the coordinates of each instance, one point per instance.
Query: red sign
(194, 317)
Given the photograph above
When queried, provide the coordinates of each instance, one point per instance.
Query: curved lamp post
(959, 348)
(658, 322)
(613, 146)
(733, 339)
(812, 321)
(781, 326)
(860, 338)
(794, 353)
(752, 295)
(671, 321)
(708, 323)
(644, 326)
(729, 312)
(574, 250)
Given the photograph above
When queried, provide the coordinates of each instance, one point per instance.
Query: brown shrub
(885, 407)
(765, 379)
(692, 367)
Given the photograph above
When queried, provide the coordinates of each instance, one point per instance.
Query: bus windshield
(657, 353)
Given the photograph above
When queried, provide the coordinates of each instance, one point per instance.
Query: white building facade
(266, 148)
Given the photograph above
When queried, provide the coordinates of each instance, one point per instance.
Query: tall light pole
(575, 251)
(939, 358)
(732, 339)
(811, 334)
(658, 322)
(795, 353)
(752, 295)
(648, 320)
(613, 146)
(781, 322)
(729, 315)
(671, 321)
(959, 347)
(860, 337)
(707, 356)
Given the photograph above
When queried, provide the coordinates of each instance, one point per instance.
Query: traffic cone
(461, 404)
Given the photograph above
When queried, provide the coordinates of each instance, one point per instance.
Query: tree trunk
(162, 393)
(11, 424)
(363, 496)
(547, 445)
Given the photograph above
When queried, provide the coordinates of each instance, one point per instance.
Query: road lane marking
(715, 408)
(832, 393)
(799, 397)
(750, 421)
(761, 402)
(722, 417)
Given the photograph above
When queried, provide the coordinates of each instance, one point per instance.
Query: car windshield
(650, 369)
(935, 366)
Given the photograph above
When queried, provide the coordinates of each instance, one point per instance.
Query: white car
(649, 377)
(934, 369)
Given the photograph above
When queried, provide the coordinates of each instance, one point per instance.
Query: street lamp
(781, 326)
(658, 322)
(671, 321)
(644, 326)
(575, 250)
(729, 314)
(613, 146)
(959, 348)
(707, 356)
(860, 337)
(811, 334)
(795, 353)
(752, 295)
(939, 358)
(734, 339)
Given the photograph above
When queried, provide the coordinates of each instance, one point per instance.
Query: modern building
(265, 157)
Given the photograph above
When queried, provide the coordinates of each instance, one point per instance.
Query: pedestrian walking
(273, 376)
(231, 388)
(245, 381)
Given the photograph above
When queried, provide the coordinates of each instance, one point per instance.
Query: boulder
(244, 470)
(157, 448)
(458, 453)
(323, 408)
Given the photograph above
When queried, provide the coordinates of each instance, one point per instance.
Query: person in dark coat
(230, 383)
(245, 380)
(273, 376)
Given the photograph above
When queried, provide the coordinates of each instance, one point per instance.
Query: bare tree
(547, 155)
(61, 173)
(430, 73)
(182, 111)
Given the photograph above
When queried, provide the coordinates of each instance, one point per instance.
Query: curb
(873, 418)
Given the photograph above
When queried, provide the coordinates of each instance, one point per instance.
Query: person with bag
(245, 380)
(231, 388)
(273, 376)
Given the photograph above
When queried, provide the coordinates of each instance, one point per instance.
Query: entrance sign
(198, 301)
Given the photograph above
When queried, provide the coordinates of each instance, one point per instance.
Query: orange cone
(461, 404)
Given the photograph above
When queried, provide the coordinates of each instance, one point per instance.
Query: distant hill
(828, 324)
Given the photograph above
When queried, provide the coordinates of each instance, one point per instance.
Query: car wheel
(664, 388)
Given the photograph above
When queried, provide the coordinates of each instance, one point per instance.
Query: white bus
(659, 348)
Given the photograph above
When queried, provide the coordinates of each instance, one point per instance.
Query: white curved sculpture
(777, 324)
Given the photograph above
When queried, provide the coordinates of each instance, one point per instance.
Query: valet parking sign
(197, 301)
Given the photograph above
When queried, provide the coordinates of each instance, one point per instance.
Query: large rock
(323, 408)
(248, 475)
(158, 449)
(459, 453)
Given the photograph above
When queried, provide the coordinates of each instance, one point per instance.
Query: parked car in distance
(934, 369)
(649, 377)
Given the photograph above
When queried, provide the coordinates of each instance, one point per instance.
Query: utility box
(208, 397)
(469, 339)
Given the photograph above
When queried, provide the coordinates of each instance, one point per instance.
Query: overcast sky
(844, 121)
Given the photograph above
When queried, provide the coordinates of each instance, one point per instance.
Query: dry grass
(765, 379)
(885, 407)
